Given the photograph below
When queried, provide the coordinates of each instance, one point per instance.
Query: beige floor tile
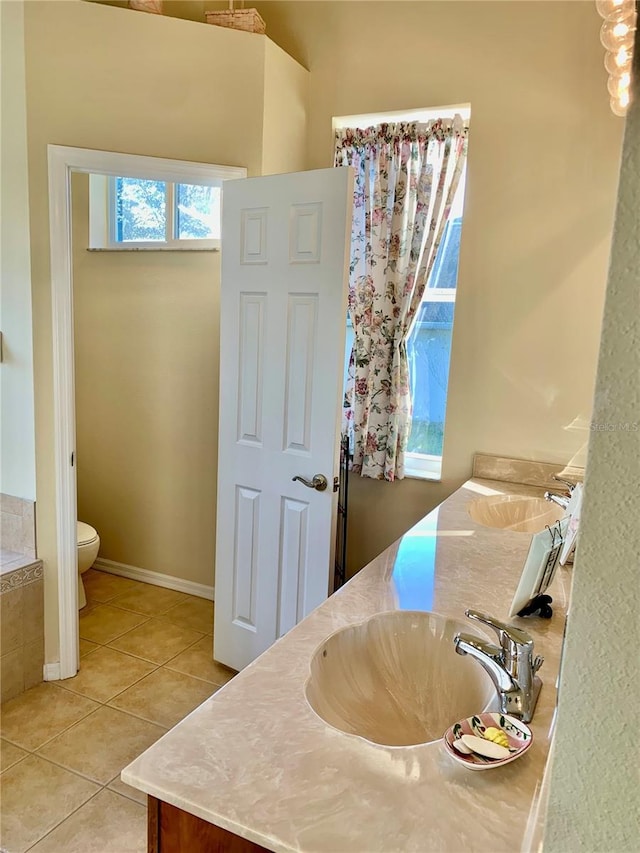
(89, 606)
(10, 755)
(156, 640)
(194, 613)
(104, 623)
(101, 586)
(41, 713)
(105, 673)
(109, 823)
(149, 600)
(121, 787)
(102, 744)
(198, 661)
(36, 796)
(164, 697)
(86, 647)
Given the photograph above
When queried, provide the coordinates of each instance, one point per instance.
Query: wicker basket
(248, 20)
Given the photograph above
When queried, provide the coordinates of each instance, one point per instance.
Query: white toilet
(88, 547)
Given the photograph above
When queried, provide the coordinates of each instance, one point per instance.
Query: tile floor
(145, 664)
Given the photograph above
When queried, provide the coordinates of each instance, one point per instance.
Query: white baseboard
(155, 578)
(51, 671)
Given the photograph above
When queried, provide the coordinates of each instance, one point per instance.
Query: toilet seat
(86, 534)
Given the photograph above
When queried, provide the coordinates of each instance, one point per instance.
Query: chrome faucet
(511, 665)
(560, 500)
(554, 497)
(570, 486)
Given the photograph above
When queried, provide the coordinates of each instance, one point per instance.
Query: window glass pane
(347, 348)
(445, 267)
(197, 212)
(428, 353)
(429, 346)
(141, 211)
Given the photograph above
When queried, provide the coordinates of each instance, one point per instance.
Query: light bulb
(618, 61)
(615, 10)
(617, 35)
(619, 106)
(619, 83)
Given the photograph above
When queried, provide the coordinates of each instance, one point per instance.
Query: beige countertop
(257, 761)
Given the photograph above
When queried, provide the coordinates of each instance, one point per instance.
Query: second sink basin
(518, 513)
(396, 679)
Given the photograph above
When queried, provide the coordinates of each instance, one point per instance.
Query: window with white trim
(429, 344)
(129, 212)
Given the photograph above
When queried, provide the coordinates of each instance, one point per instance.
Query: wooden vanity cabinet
(172, 830)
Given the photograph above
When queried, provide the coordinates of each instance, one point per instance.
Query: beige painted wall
(594, 801)
(146, 355)
(284, 129)
(17, 456)
(543, 160)
(120, 80)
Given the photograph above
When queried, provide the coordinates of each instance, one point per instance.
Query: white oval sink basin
(396, 679)
(518, 513)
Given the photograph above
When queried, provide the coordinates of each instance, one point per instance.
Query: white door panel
(283, 309)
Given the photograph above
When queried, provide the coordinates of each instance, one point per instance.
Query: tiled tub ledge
(18, 525)
(255, 759)
(17, 569)
(22, 620)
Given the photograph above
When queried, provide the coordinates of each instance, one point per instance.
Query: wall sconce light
(617, 36)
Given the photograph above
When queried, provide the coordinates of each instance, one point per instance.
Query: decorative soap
(485, 747)
(497, 736)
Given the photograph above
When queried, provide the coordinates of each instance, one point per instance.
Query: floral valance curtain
(406, 175)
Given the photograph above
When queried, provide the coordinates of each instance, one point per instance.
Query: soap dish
(518, 734)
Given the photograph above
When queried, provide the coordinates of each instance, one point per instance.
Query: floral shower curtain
(405, 182)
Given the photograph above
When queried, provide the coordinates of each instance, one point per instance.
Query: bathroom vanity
(172, 830)
(255, 768)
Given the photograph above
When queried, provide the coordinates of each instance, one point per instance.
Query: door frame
(62, 162)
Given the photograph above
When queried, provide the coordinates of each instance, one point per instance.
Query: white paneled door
(283, 306)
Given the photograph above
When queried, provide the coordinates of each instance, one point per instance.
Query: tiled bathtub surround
(17, 527)
(21, 599)
(22, 629)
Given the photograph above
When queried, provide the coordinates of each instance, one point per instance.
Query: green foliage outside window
(141, 211)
